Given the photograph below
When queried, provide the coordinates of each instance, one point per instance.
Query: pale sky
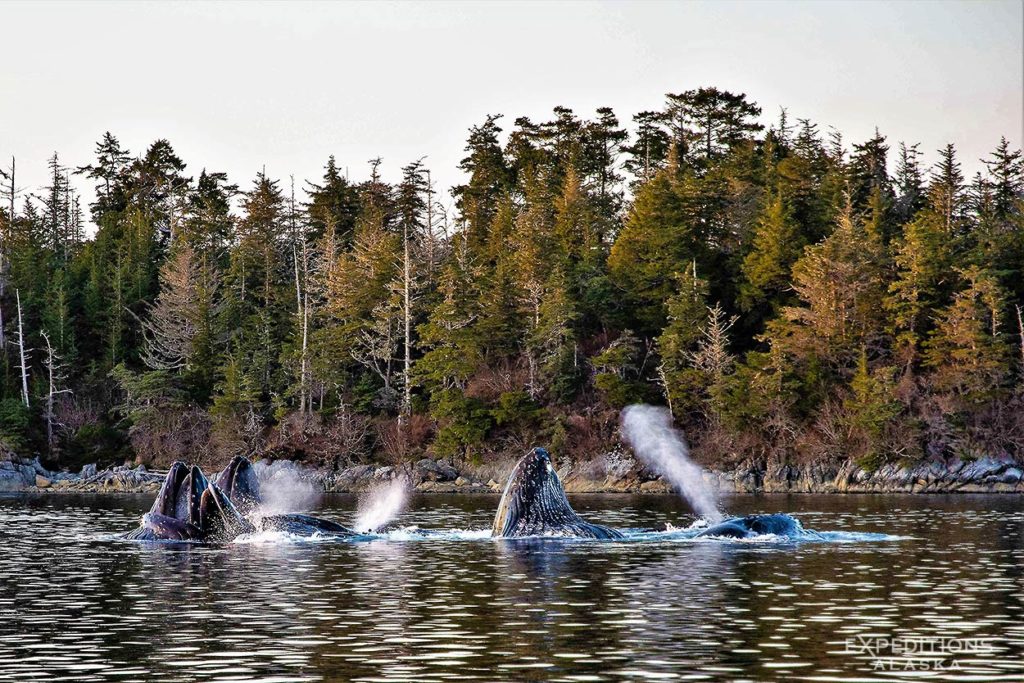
(236, 86)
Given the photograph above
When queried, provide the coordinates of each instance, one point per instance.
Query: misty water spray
(649, 431)
(380, 505)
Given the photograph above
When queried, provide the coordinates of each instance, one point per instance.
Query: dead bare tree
(55, 377)
(10, 192)
(23, 353)
(299, 244)
(377, 345)
(1020, 331)
(407, 322)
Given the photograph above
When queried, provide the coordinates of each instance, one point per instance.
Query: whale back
(755, 525)
(534, 504)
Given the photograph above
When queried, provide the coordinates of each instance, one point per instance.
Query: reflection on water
(76, 606)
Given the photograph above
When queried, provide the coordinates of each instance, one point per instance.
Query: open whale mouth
(189, 507)
(534, 504)
(240, 484)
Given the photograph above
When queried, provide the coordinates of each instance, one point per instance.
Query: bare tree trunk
(301, 319)
(430, 227)
(49, 394)
(22, 353)
(663, 379)
(12, 192)
(301, 309)
(407, 315)
(305, 350)
(1020, 328)
(52, 368)
(532, 381)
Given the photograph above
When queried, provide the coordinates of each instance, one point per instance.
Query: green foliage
(776, 246)
(516, 408)
(746, 280)
(871, 407)
(15, 422)
(652, 244)
(967, 352)
(95, 443)
(463, 423)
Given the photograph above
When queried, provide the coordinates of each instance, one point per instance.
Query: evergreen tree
(839, 285)
(776, 246)
(687, 314)
(707, 122)
(488, 181)
(909, 182)
(648, 152)
(966, 352)
(333, 205)
(648, 250)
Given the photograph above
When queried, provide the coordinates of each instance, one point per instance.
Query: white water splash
(285, 488)
(381, 504)
(648, 429)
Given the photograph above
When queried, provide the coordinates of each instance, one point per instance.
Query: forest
(787, 294)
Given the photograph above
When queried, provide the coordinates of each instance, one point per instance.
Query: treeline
(785, 295)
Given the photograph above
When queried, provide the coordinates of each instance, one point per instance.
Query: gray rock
(433, 470)
(1012, 475)
(11, 480)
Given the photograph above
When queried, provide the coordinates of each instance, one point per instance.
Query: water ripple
(411, 605)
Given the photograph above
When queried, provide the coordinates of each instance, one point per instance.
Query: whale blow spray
(285, 488)
(381, 504)
(648, 429)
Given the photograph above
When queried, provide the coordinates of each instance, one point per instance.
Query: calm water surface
(77, 606)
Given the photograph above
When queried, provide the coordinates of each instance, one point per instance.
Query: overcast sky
(236, 86)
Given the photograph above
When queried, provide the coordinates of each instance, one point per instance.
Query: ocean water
(881, 588)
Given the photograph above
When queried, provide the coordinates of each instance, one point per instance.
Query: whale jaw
(190, 508)
(240, 484)
(534, 504)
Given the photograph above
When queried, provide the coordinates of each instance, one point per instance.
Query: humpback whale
(754, 525)
(239, 482)
(534, 504)
(190, 508)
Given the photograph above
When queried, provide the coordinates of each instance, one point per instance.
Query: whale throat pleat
(534, 504)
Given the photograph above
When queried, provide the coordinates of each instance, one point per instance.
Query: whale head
(239, 482)
(189, 507)
(534, 504)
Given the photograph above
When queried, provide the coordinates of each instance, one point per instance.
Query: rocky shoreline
(615, 472)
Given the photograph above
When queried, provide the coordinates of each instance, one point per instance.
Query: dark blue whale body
(189, 507)
(754, 525)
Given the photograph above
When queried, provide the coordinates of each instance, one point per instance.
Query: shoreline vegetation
(817, 315)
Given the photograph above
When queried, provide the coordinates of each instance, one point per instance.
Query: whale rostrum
(191, 508)
(534, 504)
